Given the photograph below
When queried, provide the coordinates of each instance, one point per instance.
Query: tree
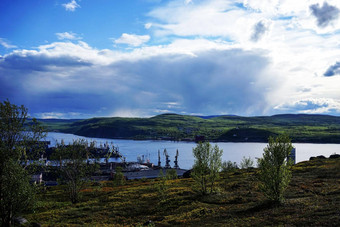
(274, 168)
(229, 166)
(19, 142)
(208, 163)
(74, 170)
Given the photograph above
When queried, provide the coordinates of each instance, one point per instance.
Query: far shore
(192, 140)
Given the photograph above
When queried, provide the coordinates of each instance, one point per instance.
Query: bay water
(234, 152)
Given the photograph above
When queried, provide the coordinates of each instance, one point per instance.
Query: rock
(334, 156)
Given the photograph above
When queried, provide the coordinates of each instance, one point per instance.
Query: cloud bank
(204, 82)
(202, 57)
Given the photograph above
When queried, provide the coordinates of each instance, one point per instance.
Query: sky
(139, 58)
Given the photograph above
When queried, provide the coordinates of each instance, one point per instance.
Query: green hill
(300, 127)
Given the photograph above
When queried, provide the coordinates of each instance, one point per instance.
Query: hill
(300, 127)
(312, 199)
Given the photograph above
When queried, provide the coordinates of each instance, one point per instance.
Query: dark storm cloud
(259, 30)
(212, 82)
(325, 14)
(333, 70)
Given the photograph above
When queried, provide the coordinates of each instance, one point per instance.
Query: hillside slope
(300, 127)
(312, 199)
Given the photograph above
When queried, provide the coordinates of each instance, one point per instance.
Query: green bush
(119, 178)
(171, 174)
(246, 163)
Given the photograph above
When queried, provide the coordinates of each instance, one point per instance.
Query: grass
(312, 199)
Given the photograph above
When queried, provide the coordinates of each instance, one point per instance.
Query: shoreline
(310, 141)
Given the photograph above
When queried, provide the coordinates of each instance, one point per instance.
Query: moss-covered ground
(312, 199)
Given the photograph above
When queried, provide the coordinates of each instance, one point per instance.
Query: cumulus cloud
(71, 6)
(333, 70)
(260, 29)
(132, 39)
(5, 44)
(325, 14)
(67, 35)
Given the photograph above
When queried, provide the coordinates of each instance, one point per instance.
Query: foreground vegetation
(300, 127)
(312, 199)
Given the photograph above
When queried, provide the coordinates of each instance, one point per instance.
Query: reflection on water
(234, 152)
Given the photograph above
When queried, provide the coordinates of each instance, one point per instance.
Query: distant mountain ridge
(307, 128)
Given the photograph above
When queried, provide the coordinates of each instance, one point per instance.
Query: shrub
(161, 186)
(246, 163)
(171, 174)
(229, 166)
(119, 178)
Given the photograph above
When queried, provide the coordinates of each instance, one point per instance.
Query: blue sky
(81, 59)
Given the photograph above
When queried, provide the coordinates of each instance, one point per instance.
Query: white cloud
(127, 113)
(210, 18)
(71, 6)
(148, 25)
(312, 106)
(5, 44)
(132, 39)
(188, 2)
(67, 35)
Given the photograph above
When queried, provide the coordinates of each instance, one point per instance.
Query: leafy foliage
(208, 162)
(275, 168)
(17, 145)
(119, 178)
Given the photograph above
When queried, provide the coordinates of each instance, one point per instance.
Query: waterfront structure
(167, 160)
(176, 160)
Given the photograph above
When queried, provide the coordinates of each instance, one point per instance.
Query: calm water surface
(234, 152)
